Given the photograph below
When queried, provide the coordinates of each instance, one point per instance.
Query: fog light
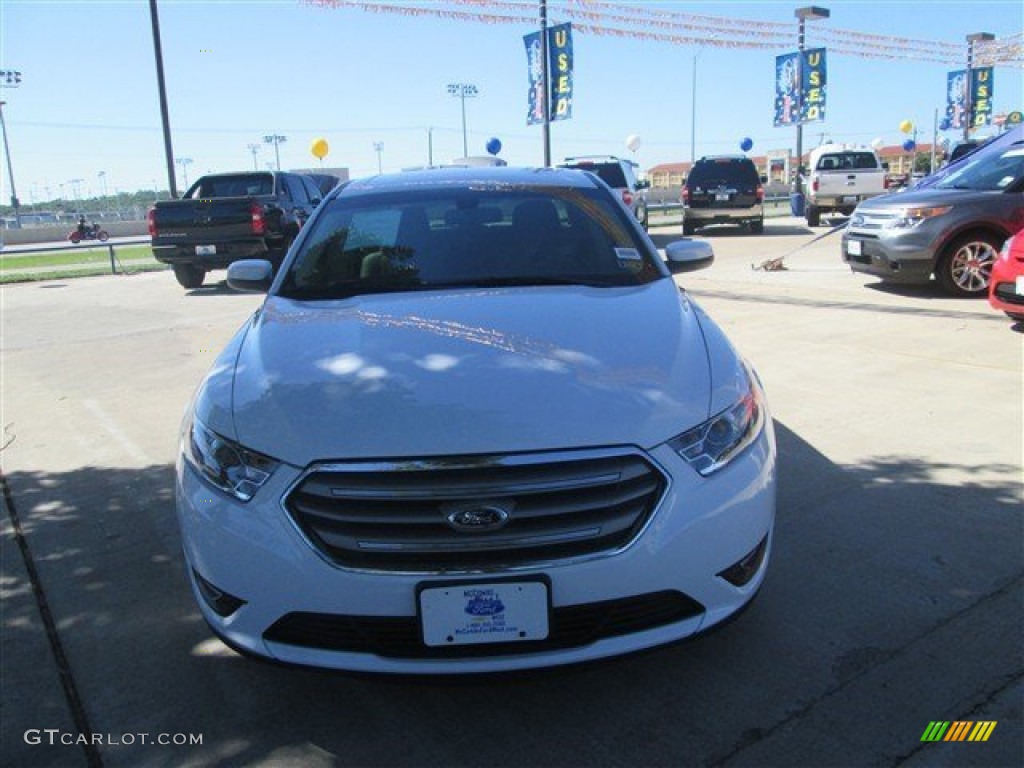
(219, 601)
(742, 572)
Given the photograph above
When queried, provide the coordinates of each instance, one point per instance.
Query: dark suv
(723, 190)
(618, 174)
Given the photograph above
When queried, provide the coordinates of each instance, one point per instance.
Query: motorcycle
(91, 233)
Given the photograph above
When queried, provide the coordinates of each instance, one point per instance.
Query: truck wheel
(688, 228)
(757, 227)
(965, 267)
(813, 216)
(189, 276)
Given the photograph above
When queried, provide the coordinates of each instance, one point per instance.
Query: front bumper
(227, 253)
(903, 256)
(255, 552)
(1005, 287)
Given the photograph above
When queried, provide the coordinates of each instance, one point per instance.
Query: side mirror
(643, 184)
(688, 255)
(315, 202)
(251, 275)
(764, 178)
(885, 166)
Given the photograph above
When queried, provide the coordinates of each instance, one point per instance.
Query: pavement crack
(67, 678)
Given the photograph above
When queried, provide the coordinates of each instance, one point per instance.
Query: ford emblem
(482, 518)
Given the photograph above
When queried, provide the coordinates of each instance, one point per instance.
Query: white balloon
(877, 144)
(632, 142)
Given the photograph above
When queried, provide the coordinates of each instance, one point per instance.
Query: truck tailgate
(187, 222)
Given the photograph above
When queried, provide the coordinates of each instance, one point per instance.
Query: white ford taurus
(475, 426)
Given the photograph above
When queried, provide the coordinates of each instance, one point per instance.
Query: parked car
(620, 175)
(230, 216)
(841, 177)
(952, 228)
(724, 189)
(1006, 287)
(475, 426)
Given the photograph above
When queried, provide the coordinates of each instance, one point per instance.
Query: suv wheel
(189, 276)
(688, 228)
(965, 266)
(813, 216)
(757, 227)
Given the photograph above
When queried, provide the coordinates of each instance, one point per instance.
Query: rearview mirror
(688, 255)
(251, 275)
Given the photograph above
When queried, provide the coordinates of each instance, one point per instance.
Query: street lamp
(977, 37)
(803, 14)
(463, 91)
(184, 162)
(10, 171)
(254, 148)
(378, 147)
(276, 140)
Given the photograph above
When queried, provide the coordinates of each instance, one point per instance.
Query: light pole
(802, 14)
(378, 147)
(254, 148)
(977, 37)
(75, 190)
(463, 91)
(184, 162)
(102, 175)
(10, 171)
(276, 140)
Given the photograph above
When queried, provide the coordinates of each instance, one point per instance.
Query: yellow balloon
(906, 126)
(319, 148)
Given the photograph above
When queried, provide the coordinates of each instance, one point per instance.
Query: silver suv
(952, 228)
(618, 174)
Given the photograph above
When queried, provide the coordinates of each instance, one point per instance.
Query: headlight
(911, 217)
(224, 464)
(710, 446)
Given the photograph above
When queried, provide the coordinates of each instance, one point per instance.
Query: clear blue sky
(241, 69)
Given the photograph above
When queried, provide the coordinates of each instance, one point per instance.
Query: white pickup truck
(840, 177)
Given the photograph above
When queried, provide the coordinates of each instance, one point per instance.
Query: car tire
(189, 276)
(102, 236)
(757, 227)
(1016, 316)
(813, 216)
(688, 228)
(965, 266)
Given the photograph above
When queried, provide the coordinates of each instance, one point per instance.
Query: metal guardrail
(80, 247)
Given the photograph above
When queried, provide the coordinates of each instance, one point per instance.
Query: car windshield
(460, 236)
(722, 171)
(989, 172)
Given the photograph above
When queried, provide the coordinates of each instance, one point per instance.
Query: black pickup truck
(230, 216)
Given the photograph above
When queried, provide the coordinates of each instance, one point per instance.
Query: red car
(1006, 285)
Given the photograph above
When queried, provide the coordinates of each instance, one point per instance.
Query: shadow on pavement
(866, 559)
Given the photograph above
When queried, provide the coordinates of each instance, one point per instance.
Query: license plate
(847, 199)
(470, 614)
(1019, 285)
(853, 247)
(721, 197)
(206, 250)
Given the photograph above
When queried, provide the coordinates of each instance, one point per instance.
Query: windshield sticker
(629, 258)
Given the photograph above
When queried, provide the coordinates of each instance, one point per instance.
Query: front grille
(1008, 292)
(399, 636)
(396, 517)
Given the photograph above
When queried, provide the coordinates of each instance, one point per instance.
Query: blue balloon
(945, 124)
(908, 145)
(747, 144)
(494, 146)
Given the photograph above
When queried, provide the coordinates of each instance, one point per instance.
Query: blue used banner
(982, 82)
(813, 85)
(787, 83)
(560, 65)
(956, 98)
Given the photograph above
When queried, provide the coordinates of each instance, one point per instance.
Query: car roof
(495, 176)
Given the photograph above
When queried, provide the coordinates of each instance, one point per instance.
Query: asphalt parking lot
(894, 597)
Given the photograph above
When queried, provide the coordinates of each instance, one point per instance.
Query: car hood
(924, 197)
(470, 372)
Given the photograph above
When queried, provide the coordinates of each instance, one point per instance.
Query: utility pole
(254, 148)
(15, 203)
(378, 147)
(162, 88)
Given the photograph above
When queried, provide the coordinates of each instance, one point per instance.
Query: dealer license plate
(206, 250)
(469, 614)
(848, 199)
(853, 247)
(1019, 285)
